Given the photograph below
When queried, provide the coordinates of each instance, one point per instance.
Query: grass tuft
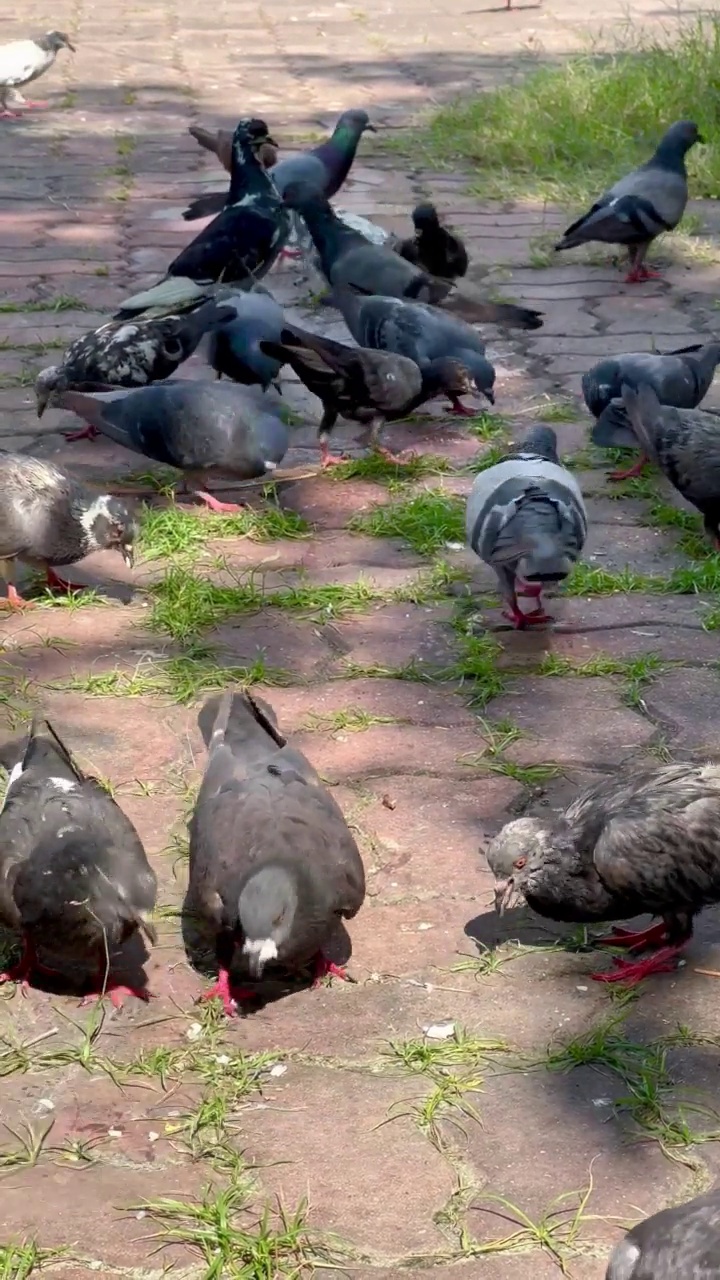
(175, 531)
(426, 522)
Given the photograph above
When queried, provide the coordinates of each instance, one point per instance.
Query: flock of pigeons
(274, 867)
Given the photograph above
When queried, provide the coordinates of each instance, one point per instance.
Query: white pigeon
(23, 61)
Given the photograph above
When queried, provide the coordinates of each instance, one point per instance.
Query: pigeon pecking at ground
(23, 61)
(362, 385)
(680, 378)
(526, 519)
(122, 354)
(649, 842)
(433, 247)
(422, 333)
(681, 1241)
(202, 428)
(74, 877)
(273, 866)
(641, 205)
(48, 518)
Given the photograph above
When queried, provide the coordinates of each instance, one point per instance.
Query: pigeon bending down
(23, 61)
(122, 354)
(325, 167)
(526, 519)
(681, 378)
(371, 387)
(233, 349)
(642, 205)
(74, 877)
(433, 247)
(649, 842)
(48, 518)
(681, 1241)
(349, 261)
(685, 443)
(202, 428)
(423, 334)
(273, 866)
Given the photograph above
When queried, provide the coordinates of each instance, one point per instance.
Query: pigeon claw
(634, 941)
(631, 972)
(637, 275)
(324, 968)
(328, 459)
(117, 992)
(221, 990)
(10, 115)
(214, 504)
(631, 472)
(521, 620)
(87, 433)
(15, 601)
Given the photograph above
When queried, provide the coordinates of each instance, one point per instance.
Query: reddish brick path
(397, 1146)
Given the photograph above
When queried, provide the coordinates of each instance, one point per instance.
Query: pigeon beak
(128, 555)
(71, 46)
(42, 396)
(372, 128)
(272, 141)
(504, 894)
(489, 395)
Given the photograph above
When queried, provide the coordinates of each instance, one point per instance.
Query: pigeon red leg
(32, 105)
(221, 990)
(324, 968)
(87, 433)
(56, 583)
(460, 409)
(630, 972)
(532, 589)
(117, 992)
(15, 601)
(293, 254)
(650, 937)
(231, 508)
(26, 966)
(328, 459)
(635, 470)
(638, 275)
(521, 620)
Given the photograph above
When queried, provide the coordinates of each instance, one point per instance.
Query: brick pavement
(360, 1103)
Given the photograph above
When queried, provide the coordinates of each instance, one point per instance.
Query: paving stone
(682, 702)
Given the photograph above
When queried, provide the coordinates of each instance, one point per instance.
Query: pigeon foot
(57, 583)
(118, 993)
(87, 433)
(635, 470)
(631, 972)
(10, 115)
(15, 601)
(328, 459)
(294, 255)
(637, 275)
(460, 409)
(230, 508)
(221, 990)
(634, 941)
(324, 968)
(33, 105)
(25, 967)
(532, 589)
(521, 620)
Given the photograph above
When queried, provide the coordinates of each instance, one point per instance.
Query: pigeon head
(55, 40)
(510, 857)
(354, 123)
(449, 376)
(676, 142)
(257, 130)
(481, 371)
(425, 217)
(266, 912)
(110, 526)
(541, 441)
(47, 383)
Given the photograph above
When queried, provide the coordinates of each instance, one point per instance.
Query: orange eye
(519, 863)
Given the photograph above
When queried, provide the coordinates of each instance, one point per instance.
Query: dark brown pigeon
(433, 247)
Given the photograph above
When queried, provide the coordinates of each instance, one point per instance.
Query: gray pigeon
(685, 443)
(23, 61)
(526, 518)
(48, 518)
(127, 354)
(681, 378)
(273, 866)
(420, 332)
(681, 1241)
(74, 877)
(233, 348)
(648, 840)
(202, 428)
(349, 261)
(642, 205)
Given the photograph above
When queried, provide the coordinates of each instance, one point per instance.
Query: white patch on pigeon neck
(98, 507)
(15, 773)
(63, 784)
(263, 948)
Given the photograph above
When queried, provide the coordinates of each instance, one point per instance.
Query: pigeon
(422, 333)
(685, 443)
(646, 842)
(74, 877)
(325, 167)
(683, 1240)
(202, 428)
(238, 247)
(233, 349)
(220, 143)
(362, 385)
(23, 61)
(526, 518)
(273, 866)
(122, 354)
(348, 261)
(641, 205)
(433, 247)
(48, 518)
(681, 378)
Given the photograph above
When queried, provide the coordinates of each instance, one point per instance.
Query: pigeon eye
(519, 863)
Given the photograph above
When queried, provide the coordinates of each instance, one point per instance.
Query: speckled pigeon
(420, 332)
(647, 840)
(74, 877)
(202, 428)
(682, 1241)
(643, 204)
(47, 517)
(273, 866)
(681, 378)
(23, 61)
(525, 517)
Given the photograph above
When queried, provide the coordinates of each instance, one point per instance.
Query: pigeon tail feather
(235, 720)
(46, 747)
